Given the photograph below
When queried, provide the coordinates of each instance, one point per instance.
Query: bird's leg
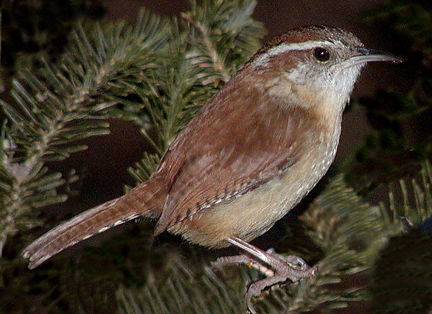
(283, 268)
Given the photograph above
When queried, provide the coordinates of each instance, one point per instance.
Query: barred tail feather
(93, 221)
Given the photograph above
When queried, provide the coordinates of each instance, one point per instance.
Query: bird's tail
(140, 202)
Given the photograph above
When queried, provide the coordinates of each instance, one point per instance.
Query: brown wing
(226, 152)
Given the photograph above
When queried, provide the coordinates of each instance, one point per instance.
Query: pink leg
(284, 268)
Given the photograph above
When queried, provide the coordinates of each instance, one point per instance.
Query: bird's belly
(252, 214)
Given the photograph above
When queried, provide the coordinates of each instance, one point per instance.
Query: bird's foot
(277, 268)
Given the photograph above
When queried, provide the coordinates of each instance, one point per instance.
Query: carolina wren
(252, 152)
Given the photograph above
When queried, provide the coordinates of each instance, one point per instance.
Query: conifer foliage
(156, 73)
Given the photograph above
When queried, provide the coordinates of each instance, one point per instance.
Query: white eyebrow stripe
(284, 47)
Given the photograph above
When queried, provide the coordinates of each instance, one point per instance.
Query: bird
(251, 153)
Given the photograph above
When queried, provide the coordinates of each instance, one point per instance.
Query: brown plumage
(251, 153)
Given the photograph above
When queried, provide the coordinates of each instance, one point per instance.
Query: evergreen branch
(347, 230)
(178, 292)
(410, 199)
(216, 26)
(65, 102)
(401, 277)
(218, 37)
(217, 61)
(173, 71)
(351, 234)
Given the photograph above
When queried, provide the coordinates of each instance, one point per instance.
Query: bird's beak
(372, 55)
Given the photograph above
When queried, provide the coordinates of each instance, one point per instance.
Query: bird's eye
(322, 54)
